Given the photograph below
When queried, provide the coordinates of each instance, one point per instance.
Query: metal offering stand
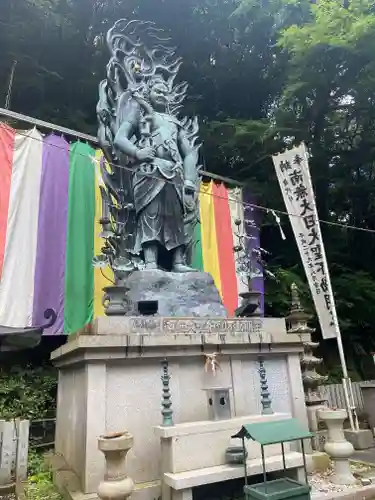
(267, 433)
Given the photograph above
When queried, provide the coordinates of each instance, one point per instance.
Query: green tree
(328, 100)
(262, 75)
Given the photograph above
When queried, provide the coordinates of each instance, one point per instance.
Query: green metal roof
(275, 431)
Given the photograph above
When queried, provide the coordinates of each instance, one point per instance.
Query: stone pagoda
(312, 380)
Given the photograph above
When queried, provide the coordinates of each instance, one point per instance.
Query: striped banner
(50, 207)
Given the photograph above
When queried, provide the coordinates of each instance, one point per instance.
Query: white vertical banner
(292, 170)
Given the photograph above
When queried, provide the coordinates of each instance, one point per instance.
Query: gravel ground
(320, 482)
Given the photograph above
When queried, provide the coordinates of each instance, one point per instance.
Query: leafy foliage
(39, 482)
(332, 24)
(36, 463)
(41, 487)
(328, 99)
(27, 392)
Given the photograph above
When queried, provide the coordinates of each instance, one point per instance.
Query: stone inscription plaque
(196, 325)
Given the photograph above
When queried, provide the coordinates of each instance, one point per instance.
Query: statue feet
(179, 262)
(182, 268)
(151, 257)
(151, 266)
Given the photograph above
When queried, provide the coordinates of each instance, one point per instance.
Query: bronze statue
(152, 174)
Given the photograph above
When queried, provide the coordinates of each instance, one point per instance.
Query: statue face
(159, 95)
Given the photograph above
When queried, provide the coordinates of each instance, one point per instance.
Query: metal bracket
(127, 346)
(203, 341)
(141, 344)
(260, 342)
(270, 343)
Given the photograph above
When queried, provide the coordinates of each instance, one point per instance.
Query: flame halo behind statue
(140, 60)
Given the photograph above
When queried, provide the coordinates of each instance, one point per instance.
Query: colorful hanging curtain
(50, 208)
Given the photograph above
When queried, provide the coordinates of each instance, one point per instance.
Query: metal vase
(115, 301)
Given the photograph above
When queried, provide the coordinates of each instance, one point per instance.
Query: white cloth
(17, 281)
(236, 209)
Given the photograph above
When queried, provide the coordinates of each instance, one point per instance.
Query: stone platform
(109, 381)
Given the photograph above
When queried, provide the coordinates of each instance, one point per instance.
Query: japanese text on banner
(292, 171)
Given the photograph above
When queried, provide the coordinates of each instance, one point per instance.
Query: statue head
(159, 94)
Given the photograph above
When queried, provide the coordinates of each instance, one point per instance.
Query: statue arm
(189, 153)
(126, 131)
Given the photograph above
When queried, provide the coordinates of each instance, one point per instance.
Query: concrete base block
(320, 461)
(361, 440)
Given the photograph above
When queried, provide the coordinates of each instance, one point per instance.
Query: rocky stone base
(174, 294)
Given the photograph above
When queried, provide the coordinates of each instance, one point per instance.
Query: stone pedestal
(116, 484)
(337, 447)
(110, 379)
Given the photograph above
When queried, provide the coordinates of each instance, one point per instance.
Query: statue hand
(145, 154)
(104, 116)
(190, 196)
